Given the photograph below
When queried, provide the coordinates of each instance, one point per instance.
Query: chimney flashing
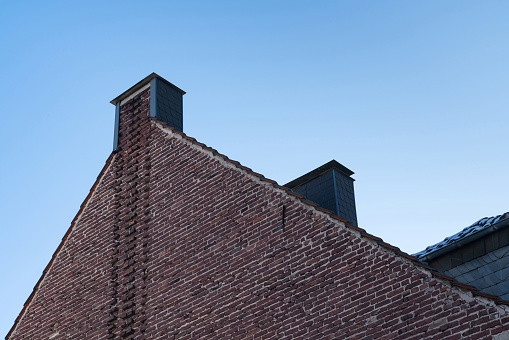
(117, 125)
(153, 97)
(141, 85)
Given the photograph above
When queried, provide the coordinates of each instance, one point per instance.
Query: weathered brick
(174, 241)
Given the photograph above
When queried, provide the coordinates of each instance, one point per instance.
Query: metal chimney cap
(142, 83)
(319, 171)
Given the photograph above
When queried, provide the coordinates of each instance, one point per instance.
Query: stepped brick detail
(178, 242)
(130, 232)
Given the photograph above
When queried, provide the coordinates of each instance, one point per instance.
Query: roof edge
(410, 259)
(463, 241)
(60, 246)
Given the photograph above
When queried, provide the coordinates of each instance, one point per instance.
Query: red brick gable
(62, 295)
(177, 241)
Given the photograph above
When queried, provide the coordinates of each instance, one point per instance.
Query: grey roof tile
(463, 269)
(479, 284)
(454, 272)
(502, 274)
(475, 274)
(482, 224)
(487, 273)
(484, 260)
(504, 261)
(504, 296)
(491, 280)
(501, 252)
(495, 290)
(466, 278)
(484, 271)
(476, 263)
(492, 256)
(471, 265)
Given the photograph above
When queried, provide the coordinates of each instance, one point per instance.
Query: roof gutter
(460, 243)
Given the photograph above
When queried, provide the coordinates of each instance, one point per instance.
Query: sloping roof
(470, 233)
(489, 273)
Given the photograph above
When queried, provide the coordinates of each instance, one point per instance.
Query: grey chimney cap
(142, 83)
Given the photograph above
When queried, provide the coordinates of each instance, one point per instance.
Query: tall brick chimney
(165, 102)
(331, 187)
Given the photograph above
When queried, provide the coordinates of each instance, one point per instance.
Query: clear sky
(410, 95)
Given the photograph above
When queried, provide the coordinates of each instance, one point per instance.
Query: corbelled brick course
(176, 241)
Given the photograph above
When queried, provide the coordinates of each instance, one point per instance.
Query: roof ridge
(362, 233)
(60, 246)
(465, 233)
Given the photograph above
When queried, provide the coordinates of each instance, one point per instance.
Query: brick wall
(71, 298)
(176, 242)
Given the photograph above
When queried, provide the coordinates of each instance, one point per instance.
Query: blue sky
(412, 96)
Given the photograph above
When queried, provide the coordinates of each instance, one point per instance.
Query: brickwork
(130, 232)
(72, 297)
(177, 242)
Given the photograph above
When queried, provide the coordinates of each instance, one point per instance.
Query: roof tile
(483, 223)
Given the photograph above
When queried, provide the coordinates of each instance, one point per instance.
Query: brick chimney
(331, 187)
(165, 102)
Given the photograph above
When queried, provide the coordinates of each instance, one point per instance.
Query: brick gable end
(175, 242)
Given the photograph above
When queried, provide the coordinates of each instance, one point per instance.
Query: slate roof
(469, 232)
(488, 273)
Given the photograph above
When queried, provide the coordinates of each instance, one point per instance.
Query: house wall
(71, 300)
(178, 243)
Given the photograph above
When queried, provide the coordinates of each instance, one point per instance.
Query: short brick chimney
(331, 187)
(165, 102)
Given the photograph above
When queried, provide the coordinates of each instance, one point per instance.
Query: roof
(473, 232)
(489, 273)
